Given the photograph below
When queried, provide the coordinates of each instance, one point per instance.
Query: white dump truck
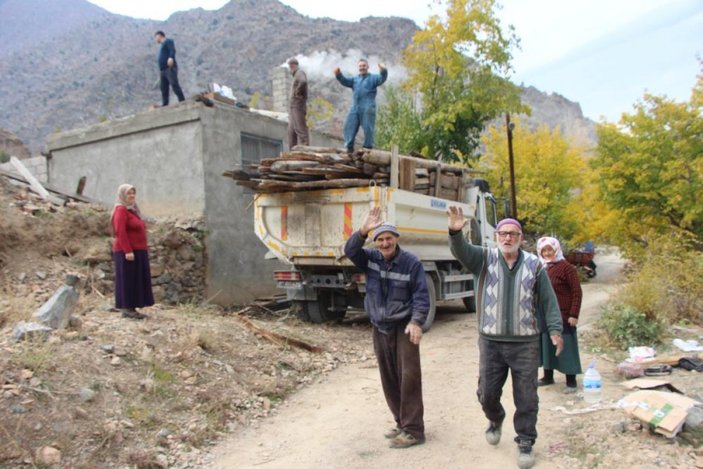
(308, 230)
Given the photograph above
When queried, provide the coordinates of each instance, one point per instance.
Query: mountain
(93, 65)
(25, 23)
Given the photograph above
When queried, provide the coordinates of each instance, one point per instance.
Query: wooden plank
(237, 175)
(34, 182)
(437, 182)
(50, 188)
(304, 148)
(292, 165)
(394, 167)
(407, 175)
(322, 184)
(447, 194)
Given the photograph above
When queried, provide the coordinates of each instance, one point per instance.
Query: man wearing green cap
(397, 302)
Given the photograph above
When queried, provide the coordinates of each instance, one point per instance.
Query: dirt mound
(109, 391)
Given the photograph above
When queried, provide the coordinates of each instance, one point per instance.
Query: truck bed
(311, 227)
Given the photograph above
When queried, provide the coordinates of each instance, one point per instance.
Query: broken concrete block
(56, 312)
(25, 330)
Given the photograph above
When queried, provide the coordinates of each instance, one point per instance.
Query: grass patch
(35, 354)
(145, 417)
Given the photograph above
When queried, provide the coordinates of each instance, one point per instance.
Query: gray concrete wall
(158, 152)
(175, 157)
(238, 272)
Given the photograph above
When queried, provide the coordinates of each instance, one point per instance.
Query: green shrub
(4, 156)
(626, 326)
(666, 283)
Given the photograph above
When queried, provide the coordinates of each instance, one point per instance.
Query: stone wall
(178, 259)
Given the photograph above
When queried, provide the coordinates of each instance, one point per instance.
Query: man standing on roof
(397, 302)
(297, 107)
(363, 110)
(168, 68)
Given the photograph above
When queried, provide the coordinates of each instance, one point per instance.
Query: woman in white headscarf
(567, 287)
(130, 255)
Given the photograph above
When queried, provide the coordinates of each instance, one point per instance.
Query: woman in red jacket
(567, 287)
(130, 254)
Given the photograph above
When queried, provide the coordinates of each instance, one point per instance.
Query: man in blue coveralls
(363, 110)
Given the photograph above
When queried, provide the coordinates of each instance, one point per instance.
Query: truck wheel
(432, 293)
(321, 310)
(299, 308)
(469, 303)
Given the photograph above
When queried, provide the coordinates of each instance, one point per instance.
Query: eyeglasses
(505, 234)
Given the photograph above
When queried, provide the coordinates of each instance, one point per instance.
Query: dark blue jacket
(167, 51)
(396, 292)
(364, 88)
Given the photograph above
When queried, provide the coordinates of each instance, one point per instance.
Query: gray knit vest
(494, 302)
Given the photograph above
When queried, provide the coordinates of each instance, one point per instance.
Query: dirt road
(340, 422)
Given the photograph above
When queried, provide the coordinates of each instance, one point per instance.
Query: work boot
(525, 457)
(132, 314)
(405, 440)
(493, 433)
(547, 379)
(393, 432)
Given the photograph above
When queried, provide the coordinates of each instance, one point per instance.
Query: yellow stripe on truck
(423, 230)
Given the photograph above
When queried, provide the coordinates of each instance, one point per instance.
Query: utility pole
(513, 203)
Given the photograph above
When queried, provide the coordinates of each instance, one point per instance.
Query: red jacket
(567, 287)
(130, 231)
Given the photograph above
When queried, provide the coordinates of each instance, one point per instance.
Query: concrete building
(175, 157)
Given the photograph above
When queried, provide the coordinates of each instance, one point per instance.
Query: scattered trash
(648, 383)
(591, 384)
(691, 364)
(691, 345)
(630, 370)
(664, 412)
(637, 354)
(658, 370)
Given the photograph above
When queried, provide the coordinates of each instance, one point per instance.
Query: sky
(603, 54)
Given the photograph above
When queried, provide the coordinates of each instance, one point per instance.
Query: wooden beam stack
(313, 168)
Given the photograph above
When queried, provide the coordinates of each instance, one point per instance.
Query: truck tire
(469, 303)
(321, 310)
(432, 293)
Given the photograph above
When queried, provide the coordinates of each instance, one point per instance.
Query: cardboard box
(664, 412)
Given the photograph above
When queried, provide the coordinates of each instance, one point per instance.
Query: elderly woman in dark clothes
(567, 287)
(130, 254)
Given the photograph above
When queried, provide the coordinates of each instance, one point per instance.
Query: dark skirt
(568, 361)
(132, 280)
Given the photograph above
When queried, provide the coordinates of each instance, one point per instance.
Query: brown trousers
(401, 377)
(297, 127)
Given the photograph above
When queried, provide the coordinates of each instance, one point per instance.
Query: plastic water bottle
(591, 384)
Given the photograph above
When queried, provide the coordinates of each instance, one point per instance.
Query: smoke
(320, 65)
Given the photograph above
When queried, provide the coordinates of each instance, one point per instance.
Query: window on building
(255, 148)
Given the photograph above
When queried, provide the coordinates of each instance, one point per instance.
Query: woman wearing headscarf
(130, 254)
(567, 287)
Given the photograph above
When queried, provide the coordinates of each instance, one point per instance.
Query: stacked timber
(313, 168)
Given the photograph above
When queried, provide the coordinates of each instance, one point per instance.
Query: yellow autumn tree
(550, 178)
